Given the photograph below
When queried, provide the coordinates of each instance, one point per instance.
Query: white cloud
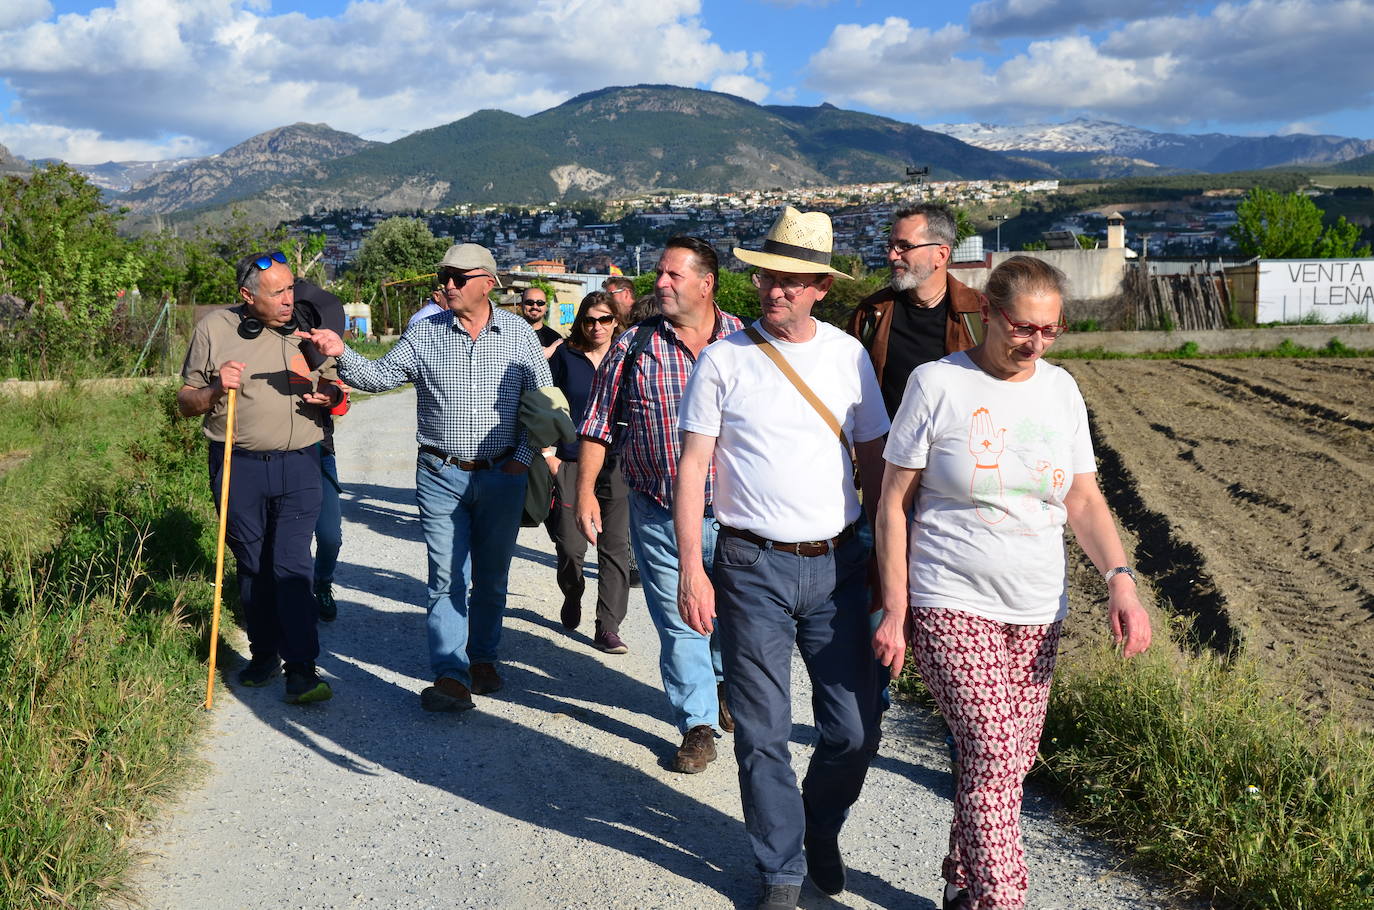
(1259, 61)
(15, 13)
(80, 146)
(219, 71)
(742, 85)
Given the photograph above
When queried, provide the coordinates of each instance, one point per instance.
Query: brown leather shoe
(697, 751)
(485, 679)
(727, 720)
(446, 695)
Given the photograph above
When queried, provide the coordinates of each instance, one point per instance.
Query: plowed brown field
(1247, 490)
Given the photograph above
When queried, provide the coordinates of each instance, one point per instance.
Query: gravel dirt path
(554, 792)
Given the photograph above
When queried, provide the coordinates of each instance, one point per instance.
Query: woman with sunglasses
(573, 365)
(989, 456)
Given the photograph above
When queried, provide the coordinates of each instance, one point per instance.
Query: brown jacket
(871, 321)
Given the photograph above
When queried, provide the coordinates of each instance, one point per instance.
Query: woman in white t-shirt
(991, 447)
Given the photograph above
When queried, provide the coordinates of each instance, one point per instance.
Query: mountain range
(629, 140)
(1081, 144)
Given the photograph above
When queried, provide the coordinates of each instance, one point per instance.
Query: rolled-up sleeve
(596, 423)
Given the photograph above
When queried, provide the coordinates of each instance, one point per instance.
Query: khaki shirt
(270, 415)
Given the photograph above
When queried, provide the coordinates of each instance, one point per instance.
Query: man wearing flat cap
(470, 366)
(777, 406)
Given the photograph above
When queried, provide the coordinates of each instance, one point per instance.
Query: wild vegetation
(104, 588)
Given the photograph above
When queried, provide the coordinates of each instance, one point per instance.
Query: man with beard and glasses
(925, 312)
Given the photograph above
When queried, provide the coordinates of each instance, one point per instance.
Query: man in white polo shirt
(789, 569)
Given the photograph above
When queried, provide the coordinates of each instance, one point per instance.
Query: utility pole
(999, 219)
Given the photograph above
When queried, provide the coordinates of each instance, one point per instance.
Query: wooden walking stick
(219, 546)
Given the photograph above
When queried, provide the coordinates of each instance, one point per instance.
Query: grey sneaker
(324, 594)
(780, 897)
(260, 671)
(304, 686)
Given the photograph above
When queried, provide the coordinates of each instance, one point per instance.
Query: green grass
(102, 612)
(1206, 772)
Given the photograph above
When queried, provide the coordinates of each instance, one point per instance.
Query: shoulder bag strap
(775, 355)
(620, 410)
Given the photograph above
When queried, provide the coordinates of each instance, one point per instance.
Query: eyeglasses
(538, 303)
(901, 246)
(791, 287)
(615, 291)
(1027, 329)
(606, 320)
(265, 262)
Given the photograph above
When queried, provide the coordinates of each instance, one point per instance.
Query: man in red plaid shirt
(688, 272)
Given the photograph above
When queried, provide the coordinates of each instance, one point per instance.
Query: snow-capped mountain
(1056, 143)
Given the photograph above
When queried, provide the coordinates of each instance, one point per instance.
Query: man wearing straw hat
(285, 391)
(776, 406)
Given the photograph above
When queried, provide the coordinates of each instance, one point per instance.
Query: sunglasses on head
(598, 320)
(265, 262)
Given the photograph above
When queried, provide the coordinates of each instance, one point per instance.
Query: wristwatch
(1119, 570)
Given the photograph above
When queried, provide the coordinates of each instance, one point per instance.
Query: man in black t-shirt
(924, 313)
(534, 305)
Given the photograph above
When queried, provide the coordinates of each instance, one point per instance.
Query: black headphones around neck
(304, 317)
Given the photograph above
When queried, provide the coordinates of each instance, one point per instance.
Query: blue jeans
(767, 601)
(470, 520)
(329, 528)
(689, 662)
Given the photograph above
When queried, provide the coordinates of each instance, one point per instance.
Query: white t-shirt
(780, 471)
(997, 459)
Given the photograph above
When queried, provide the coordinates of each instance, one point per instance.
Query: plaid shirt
(650, 456)
(467, 390)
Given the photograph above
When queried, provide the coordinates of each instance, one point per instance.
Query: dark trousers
(612, 544)
(767, 601)
(274, 501)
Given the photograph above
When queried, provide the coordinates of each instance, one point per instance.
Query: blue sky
(94, 80)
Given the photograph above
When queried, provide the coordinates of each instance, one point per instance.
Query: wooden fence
(1196, 301)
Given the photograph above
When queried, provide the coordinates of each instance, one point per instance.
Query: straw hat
(797, 243)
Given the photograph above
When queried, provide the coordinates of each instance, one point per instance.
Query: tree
(1273, 225)
(395, 249)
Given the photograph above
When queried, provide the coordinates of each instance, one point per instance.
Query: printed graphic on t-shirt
(1030, 475)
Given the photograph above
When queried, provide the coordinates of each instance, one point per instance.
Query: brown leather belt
(800, 548)
(477, 464)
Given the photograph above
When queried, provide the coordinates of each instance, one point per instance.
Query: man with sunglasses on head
(285, 392)
(622, 291)
(925, 312)
(470, 367)
(534, 306)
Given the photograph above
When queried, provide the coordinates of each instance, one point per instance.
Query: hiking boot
(447, 694)
(608, 642)
(324, 594)
(304, 686)
(824, 864)
(697, 751)
(727, 720)
(571, 614)
(260, 671)
(780, 897)
(485, 679)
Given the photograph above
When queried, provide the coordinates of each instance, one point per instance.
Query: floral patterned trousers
(992, 683)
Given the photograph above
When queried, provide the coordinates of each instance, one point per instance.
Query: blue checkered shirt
(467, 390)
